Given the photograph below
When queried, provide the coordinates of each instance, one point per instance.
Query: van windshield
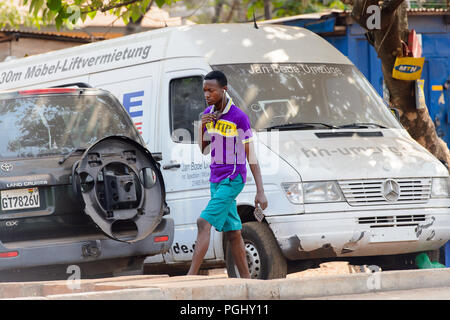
(56, 124)
(286, 95)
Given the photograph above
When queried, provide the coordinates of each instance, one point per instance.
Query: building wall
(29, 46)
(5, 50)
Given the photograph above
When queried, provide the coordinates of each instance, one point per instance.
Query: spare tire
(120, 183)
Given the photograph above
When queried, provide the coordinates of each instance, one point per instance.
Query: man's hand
(208, 117)
(261, 200)
(202, 142)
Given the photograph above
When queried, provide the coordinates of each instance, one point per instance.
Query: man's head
(214, 87)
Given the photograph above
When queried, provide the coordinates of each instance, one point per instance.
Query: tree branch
(390, 5)
(106, 8)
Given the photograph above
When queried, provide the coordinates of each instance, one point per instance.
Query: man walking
(225, 132)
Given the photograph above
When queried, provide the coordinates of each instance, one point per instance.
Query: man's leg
(201, 245)
(238, 251)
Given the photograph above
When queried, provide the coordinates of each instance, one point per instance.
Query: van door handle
(171, 166)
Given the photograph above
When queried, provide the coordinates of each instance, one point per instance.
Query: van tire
(259, 242)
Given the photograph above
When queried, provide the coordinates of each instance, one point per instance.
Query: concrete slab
(412, 279)
(322, 286)
(213, 289)
(142, 283)
(411, 294)
(10, 290)
(198, 288)
(221, 287)
(263, 289)
(124, 294)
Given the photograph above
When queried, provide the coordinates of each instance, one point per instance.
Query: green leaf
(144, 4)
(125, 19)
(58, 22)
(97, 3)
(54, 5)
(38, 4)
(135, 13)
(92, 14)
(32, 4)
(160, 3)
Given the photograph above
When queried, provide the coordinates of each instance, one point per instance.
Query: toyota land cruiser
(77, 187)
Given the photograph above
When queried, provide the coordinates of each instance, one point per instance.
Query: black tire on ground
(263, 253)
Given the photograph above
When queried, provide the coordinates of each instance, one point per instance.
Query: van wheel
(264, 257)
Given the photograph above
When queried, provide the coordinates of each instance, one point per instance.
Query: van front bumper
(85, 249)
(387, 232)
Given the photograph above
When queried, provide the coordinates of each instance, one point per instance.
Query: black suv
(77, 187)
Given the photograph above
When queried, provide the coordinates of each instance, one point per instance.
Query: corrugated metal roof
(424, 10)
(319, 15)
(314, 15)
(74, 36)
(103, 26)
(343, 18)
(429, 11)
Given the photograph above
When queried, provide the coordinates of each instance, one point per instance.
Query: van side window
(187, 103)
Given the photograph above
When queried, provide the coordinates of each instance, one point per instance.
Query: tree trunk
(234, 7)
(387, 42)
(267, 9)
(135, 27)
(218, 10)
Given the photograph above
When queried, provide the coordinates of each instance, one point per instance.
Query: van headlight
(293, 191)
(312, 192)
(324, 191)
(440, 187)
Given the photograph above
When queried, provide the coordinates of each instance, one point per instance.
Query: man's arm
(260, 197)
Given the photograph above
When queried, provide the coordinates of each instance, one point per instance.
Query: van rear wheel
(264, 257)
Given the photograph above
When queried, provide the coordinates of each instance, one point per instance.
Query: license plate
(393, 234)
(17, 199)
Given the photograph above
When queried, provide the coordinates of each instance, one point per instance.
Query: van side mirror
(396, 113)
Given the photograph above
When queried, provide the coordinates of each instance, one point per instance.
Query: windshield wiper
(73, 151)
(302, 125)
(362, 125)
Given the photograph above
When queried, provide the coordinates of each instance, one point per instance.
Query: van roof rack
(74, 84)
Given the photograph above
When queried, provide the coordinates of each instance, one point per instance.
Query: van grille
(369, 192)
(392, 221)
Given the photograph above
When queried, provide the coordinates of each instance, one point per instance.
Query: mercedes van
(343, 178)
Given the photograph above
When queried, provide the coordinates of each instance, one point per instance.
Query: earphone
(223, 98)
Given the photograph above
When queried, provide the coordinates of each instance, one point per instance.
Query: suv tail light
(47, 91)
(161, 239)
(10, 254)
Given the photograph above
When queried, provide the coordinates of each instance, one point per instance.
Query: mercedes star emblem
(391, 190)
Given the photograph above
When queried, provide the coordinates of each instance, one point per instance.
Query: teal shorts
(221, 211)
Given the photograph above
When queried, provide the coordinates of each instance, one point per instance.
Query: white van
(342, 177)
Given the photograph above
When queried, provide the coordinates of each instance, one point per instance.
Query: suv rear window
(55, 124)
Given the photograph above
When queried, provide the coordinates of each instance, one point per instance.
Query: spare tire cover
(119, 180)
